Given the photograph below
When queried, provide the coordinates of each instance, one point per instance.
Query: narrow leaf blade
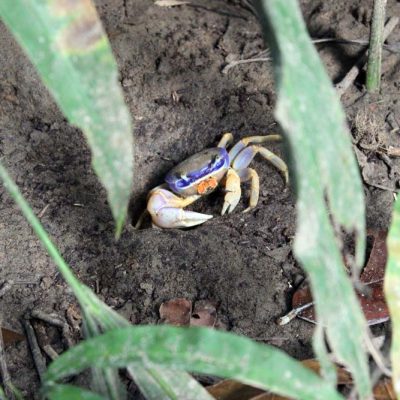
(326, 172)
(67, 44)
(69, 392)
(392, 292)
(199, 350)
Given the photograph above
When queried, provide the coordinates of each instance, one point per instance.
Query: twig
(55, 321)
(5, 375)
(393, 48)
(348, 80)
(263, 55)
(49, 350)
(375, 46)
(38, 359)
(49, 318)
(393, 151)
(377, 356)
(382, 187)
(293, 314)
(244, 61)
(41, 214)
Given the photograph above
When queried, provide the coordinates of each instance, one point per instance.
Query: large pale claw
(178, 218)
(233, 192)
(166, 210)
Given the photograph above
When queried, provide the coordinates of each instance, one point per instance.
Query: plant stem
(375, 46)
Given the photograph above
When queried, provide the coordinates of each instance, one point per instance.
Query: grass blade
(98, 316)
(199, 350)
(67, 44)
(392, 292)
(162, 384)
(326, 172)
(69, 392)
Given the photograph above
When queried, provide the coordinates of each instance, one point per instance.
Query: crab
(201, 173)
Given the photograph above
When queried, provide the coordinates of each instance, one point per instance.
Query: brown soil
(170, 61)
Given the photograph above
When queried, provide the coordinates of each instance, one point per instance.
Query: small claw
(177, 218)
(228, 207)
(233, 192)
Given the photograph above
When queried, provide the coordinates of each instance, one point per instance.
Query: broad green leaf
(161, 384)
(329, 189)
(392, 292)
(66, 42)
(69, 392)
(199, 350)
(99, 317)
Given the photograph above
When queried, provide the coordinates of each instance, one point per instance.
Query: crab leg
(249, 174)
(166, 210)
(233, 191)
(227, 138)
(244, 158)
(239, 146)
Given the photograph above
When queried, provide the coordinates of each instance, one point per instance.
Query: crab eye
(180, 183)
(217, 162)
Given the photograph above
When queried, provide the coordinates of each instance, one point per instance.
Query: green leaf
(162, 384)
(155, 382)
(66, 42)
(329, 189)
(392, 292)
(199, 350)
(69, 392)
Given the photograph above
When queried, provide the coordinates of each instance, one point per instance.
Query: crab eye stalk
(181, 183)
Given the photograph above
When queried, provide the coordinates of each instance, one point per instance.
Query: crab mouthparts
(207, 186)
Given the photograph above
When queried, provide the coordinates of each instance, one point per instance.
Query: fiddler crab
(201, 173)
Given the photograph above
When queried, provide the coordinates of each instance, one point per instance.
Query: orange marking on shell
(207, 186)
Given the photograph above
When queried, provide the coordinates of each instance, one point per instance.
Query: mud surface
(171, 62)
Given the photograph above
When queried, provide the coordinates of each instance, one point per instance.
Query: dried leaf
(229, 389)
(384, 390)
(232, 390)
(10, 337)
(375, 269)
(176, 312)
(170, 3)
(204, 314)
(372, 303)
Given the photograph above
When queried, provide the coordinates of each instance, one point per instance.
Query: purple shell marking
(197, 167)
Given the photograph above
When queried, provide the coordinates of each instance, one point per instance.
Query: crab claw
(178, 218)
(233, 192)
(166, 210)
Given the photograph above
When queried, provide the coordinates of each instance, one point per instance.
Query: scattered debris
(176, 312)
(10, 337)
(393, 151)
(170, 3)
(204, 314)
(38, 359)
(4, 373)
(262, 56)
(232, 390)
(181, 312)
(350, 77)
(392, 121)
(372, 299)
(36, 341)
(5, 287)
